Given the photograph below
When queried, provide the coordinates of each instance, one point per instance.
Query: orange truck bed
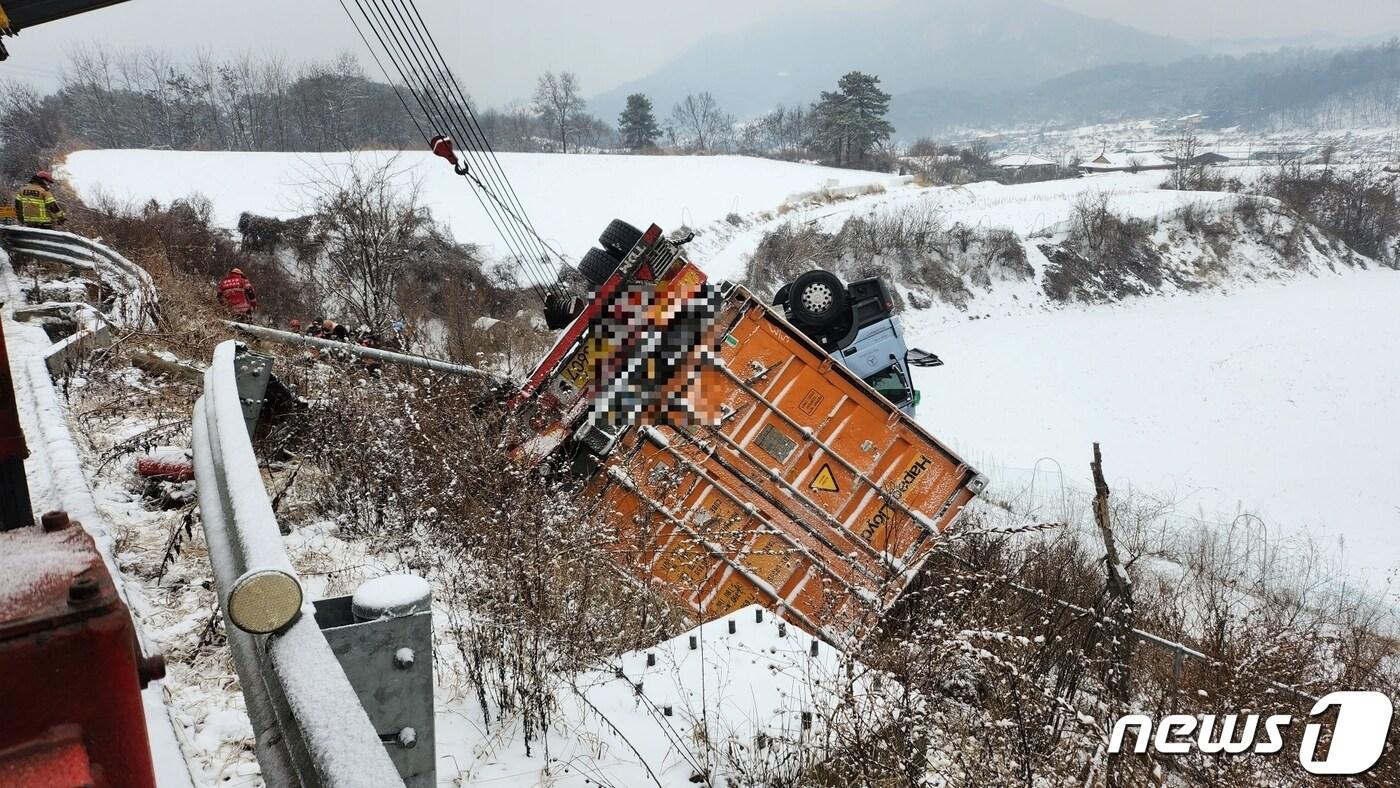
(784, 480)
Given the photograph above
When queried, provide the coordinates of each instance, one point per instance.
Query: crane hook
(442, 146)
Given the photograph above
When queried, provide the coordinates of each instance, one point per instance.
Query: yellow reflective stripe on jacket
(37, 205)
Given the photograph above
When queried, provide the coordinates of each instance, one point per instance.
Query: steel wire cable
(422, 69)
(409, 46)
(400, 53)
(513, 246)
(473, 144)
(475, 126)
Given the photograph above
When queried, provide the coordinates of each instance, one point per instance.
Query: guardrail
(128, 287)
(311, 726)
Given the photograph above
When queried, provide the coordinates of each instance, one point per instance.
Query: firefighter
(236, 293)
(35, 205)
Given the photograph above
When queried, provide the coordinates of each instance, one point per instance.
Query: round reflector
(264, 601)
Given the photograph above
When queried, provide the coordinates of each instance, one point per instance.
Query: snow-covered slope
(1279, 398)
(570, 199)
(757, 700)
(1026, 209)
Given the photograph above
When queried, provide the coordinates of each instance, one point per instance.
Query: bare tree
(700, 124)
(366, 218)
(1184, 149)
(558, 102)
(30, 127)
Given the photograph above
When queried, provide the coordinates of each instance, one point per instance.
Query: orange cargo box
(809, 493)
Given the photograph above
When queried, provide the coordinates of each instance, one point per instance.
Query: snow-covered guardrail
(310, 726)
(128, 285)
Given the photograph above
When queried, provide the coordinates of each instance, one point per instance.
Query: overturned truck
(737, 461)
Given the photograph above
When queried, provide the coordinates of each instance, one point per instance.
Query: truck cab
(855, 324)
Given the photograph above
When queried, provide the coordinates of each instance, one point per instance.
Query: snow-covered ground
(1281, 398)
(569, 199)
(1026, 209)
(756, 701)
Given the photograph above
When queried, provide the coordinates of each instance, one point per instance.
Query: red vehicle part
(71, 665)
(14, 490)
(165, 469)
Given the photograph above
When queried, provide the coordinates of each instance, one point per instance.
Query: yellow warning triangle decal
(825, 481)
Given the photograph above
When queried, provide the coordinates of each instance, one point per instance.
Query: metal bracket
(252, 372)
(387, 655)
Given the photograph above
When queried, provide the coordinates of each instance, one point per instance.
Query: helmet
(44, 175)
(296, 323)
(236, 272)
(328, 324)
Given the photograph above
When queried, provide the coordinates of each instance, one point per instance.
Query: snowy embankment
(1026, 209)
(1275, 398)
(569, 199)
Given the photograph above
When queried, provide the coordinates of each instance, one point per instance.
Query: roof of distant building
(1018, 160)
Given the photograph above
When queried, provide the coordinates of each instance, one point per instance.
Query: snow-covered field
(570, 199)
(1281, 398)
(1026, 209)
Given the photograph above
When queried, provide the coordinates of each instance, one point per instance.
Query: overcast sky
(498, 48)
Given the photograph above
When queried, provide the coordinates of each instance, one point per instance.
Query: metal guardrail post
(310, 725)
(383, 637)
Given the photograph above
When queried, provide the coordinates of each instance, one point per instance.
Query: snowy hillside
(1276, 398)
(568, 198)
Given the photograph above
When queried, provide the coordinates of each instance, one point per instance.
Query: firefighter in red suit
(236, 293)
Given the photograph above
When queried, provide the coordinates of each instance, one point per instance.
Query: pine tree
(637, 124)
(851, 120)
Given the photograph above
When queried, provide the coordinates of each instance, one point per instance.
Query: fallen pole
(387, 356)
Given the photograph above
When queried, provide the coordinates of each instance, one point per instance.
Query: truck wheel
(818, 298)
(597, 266)
(619, 238)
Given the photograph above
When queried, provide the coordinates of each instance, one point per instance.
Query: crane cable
(408, 45)
(475, 126)
(434, 108)
(431, 106)
(512, 246)
(411, 40)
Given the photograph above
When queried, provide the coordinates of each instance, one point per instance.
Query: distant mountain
(1287, 88)
(912, 45)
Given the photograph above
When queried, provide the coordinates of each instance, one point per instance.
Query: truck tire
(596, 266)
(818, 298)
(619, 238)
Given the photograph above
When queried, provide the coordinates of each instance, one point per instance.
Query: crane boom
(17, 15)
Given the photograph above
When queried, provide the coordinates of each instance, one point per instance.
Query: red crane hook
(442, 146)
